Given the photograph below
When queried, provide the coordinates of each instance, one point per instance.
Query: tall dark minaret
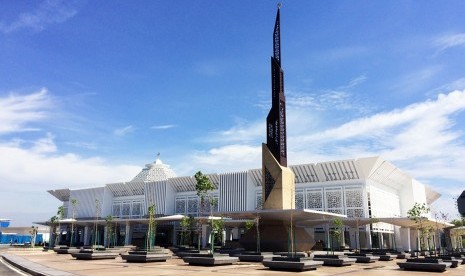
(276, 120)
(278, 181)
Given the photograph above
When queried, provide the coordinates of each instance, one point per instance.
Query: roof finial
(279, 5)
(158, 155)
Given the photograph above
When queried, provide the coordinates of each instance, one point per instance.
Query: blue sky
(90, 91)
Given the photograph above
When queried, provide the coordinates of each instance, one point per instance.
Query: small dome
(157, 171)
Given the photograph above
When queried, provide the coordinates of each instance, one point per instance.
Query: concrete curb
(33, 268)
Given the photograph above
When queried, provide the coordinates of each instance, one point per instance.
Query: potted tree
(254, 256)
(73, 206)
(52, 222)
(96, 252)
(59, 249)
(186, 224)
(204, 188)
(109, 233)
(150, 253)
(336, 229)
(418, 214)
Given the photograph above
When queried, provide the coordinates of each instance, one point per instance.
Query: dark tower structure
(277, 179)
(276, 119)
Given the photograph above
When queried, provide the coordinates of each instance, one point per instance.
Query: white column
(368, 237)
(204, 235)
(235, 233)
(397, 238)
(223, 237)
(105, 240)
(86, 235)
(353, 237)
(381, 240)
(173, 237)
(127, 237)
(405, 244)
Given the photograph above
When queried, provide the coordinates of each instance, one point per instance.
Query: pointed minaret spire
(277, 37)
(276, 120)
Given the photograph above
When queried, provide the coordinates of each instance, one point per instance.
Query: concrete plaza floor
(176, 266)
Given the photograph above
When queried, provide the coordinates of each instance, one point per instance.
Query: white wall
(410, 194)
(107, 202)
(233, 192)
(170, 200)
(86, 201)
(251, 192)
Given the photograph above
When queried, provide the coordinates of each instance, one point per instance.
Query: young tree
(255, 222)
(73, 205)
(186, 226)
(336, 232)
(53, 228)
(152, 228)
(97, 214)
(108, 221)
(60, 216)
(204, 187)
(418, 214)
(217, 226)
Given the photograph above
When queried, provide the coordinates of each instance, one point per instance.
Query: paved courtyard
(176, 266)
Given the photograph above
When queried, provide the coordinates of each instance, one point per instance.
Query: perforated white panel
(354, 201)
(334, 200)
(259, 201)
(299, 199)
(314, 199)
(180, 207)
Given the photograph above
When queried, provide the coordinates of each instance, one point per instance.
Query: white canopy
(298, 215)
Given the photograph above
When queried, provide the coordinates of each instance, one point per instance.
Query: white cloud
(420, 139)
(449, 41)
(243, 131)
(161, 127)
(84, 145)
(355, 82)
(32, 166)
(27, 173)
(44, 145)
(340, 98)
(123, 130)
(404, 125)
(47, 13)
(416, 80)
(17, 111)
(228, 158)
(40, 168)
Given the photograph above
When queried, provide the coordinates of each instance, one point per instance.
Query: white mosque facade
(358, 188)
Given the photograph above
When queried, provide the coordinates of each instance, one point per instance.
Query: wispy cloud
(123, 130)
(243, 131)
(417, 80)
(18, 111)
(421, 139)
(355, 82)
(84, 145)
(47, 13)
(162, 127)
(340, 98)
(231, 157)
(420, 118)
(450, 41)
(21, 164)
